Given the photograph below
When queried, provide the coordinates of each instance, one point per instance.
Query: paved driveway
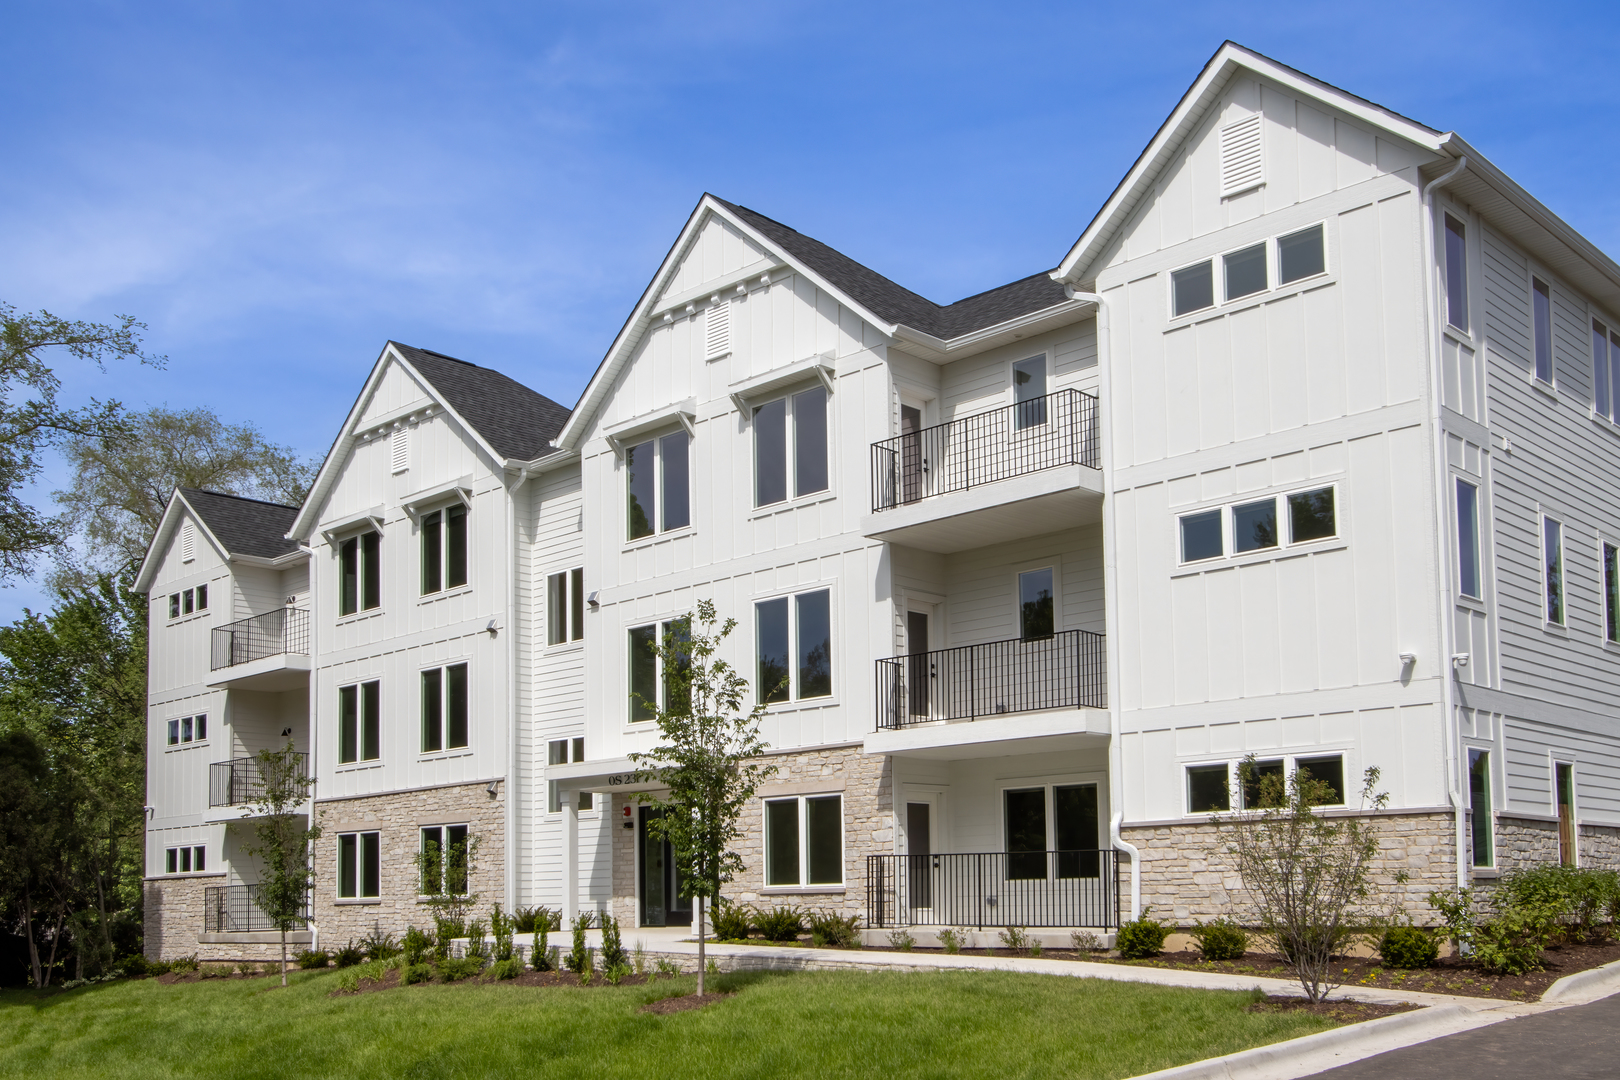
(1569, 1044)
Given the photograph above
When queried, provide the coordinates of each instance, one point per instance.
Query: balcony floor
(1040, 502)
(1044, 732)
(283, 671)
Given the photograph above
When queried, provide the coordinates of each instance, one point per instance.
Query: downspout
(309, 729)
(514, 717)
(1447, 601)
(1116, 761)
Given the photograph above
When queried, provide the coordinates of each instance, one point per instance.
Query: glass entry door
(661, 901)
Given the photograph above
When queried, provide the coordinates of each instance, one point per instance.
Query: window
(1605, 372)
(1300, 255)
(444, 549)
(1192, 289)
(658, 474)
(1564, 797)
(557, 754)
(650, 681)
(1552, 554)
(444, 708)
(794, 665)
(185, 860)
(565, 607)
(806, 415)
(1245, 272)
(1456, 274)
(1029, 392)
(1036, 618)
(359, 722)
(1208, 789)
(1201, 536)
(174, 605)
(187, 729)
(1073, 836)
(1468, 577)
(1541, 300)
(1254, 526)
(359, 865)
(359, 576)
(804, 841)
(1253, 791)
(1479, 806)
(184, 603)
(1328, 770)
(444, 860)
(1311, 516)
(1611, 593)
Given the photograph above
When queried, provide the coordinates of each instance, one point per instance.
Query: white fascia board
(438, 400)
(280, 562)
(624, 344)
(160, 540)
(820, 367)
(543, 464)
(624, 433)
(946, 349)
(1190, 110)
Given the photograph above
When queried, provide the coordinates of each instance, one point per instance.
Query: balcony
(993, 889)
(267, 652)
(238, 782)
(234, 909)
(947, 487)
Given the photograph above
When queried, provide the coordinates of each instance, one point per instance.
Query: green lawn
(822, 1024)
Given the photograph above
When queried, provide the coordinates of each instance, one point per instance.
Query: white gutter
(1116, 763)
(514, 718)
(1448, 643)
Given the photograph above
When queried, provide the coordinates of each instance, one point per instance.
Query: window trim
(792, 496)
(444, 828)
(1609, 633)
(1275, 286)
(1547, 622)
(660, 628)
(367, 572)
(1290, 761)
(442, 511)
(1458, 483)
(1054, 564)
(1048, 785)
(359, 896)
(1551, 381)
(195, 860)
(804, 885)
(655, 437)
(1490, 808)
(444, 746)
(1449, 215)
(571, 586)
(1572, 763)
(181, 732)
(793, 699)
(360, 722)
(1286, 544)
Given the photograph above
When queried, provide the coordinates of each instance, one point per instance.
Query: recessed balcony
(268, 652)
(1021, 470)
(239, 783)
(234, 909)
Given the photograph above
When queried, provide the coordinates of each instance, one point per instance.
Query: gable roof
(244, 526)
(516, 421)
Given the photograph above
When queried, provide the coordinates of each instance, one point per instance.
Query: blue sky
(278, 189)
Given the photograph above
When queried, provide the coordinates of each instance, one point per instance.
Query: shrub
(828, 929)
(951, 940)
(1580, 897)
(247, 967)
(308, 960)
(1511, 943)
(183, 965)
(1085, 941)
(415, 973)
(415, 946)
(1015, 939)
(1220, 939)
(1456, 909)
(902, 940)
(613, 954)
(214, 971)
(501, 928)
(378, 945)
(730, 920)
(528, 920)
(446, 930)
(347, 956)
(539, 955)
(579, 957)
(1408, 947)
(509, 968)
(455, 970)
(477, 945)
(780, 924)
(1035, 946)
(1142, 938)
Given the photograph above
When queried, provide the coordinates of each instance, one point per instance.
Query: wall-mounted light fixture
(491, 629)
(591, 599)
(1459, 660)
(490, 787)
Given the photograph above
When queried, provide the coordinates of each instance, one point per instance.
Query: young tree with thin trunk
(707, 759)
(283, 838)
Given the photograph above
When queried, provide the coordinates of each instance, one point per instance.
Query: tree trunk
(283, 956)
(33, 946)
(701, 964)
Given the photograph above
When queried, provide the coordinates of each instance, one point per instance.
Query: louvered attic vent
(717, 323)
(188, 542)
(1242, 163)
(401, 450)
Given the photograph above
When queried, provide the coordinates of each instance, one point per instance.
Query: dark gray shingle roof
(245, 526)
(518, 422)
(898, 304)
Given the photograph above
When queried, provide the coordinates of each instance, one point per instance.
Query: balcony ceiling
(1043, 502)
(283, 671)
(996, 736)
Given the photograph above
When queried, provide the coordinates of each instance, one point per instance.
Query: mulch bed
(1341, 1011)
(684, 1003)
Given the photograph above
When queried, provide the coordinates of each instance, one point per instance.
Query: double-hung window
(1605, 371)
(1456, 273)
(1479, 806)
(790, 447)
(444, 852)
(565, 607)
(793, 647)
(1468, 575)
(359, 869)
(804, 841)
(359, 575)
(651, 681)
(444, 549)
(1552, 557)
(359, 723)
(658, 477)
(444, 708)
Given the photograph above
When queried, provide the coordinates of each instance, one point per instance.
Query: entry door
(661, 901)
(919, 666)
(913, 459)
(920, 869)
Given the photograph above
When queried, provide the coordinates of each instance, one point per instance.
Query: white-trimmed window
(444, 862)
(1052, 818)
(1210, 786)
(1244, 272)
(1249, 271)
(1301, 255)
(444, 708)
(804, 841)
(444, 549)
(1037, 606)
(1029, 392)
(565, 607)
(185, 729)
(790, 447)
(359, 722)
(1479, 808)
(1284, 520)
(793, 647)
(185, 860)
(359, 866)
(557, 754)
(1192, 288)
(1605, 371)
(359, 573)
(1552, 561)
(649, 682)
(1611, 593)
(1541, 316)
(1468, 567)
(1456, 256)
(658, 479)
(188, 602)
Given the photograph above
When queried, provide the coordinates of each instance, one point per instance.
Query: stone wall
(174, 925)
(1186, 878)
(399, 818)
(1522, 843)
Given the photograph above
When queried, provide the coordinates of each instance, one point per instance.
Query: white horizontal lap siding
(979, 383)
(1532, 747)
(974, 809)
(981, 586)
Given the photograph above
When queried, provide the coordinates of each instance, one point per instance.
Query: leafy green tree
(282, 840)
(121, 485)
(32, 419)
(707, 759)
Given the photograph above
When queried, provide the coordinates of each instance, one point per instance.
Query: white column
(570, 858)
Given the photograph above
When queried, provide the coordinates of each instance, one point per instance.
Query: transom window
(359, 869)
(658, 479)
(444, 549)
(790, 444)
(185, 729)
(1255, 526)
(1248, 271)
(565, 607)
(649, 681)
(1061, 819)
(189, 601)
(793, 645)
(804, 840)
(359, 575)
(359, 722)
(444, 708)
(1210, 786)
(185, 860)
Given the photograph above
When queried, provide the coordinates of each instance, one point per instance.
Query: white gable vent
(1242, 163)
(718, 326)
(188, 542)
(400, 449)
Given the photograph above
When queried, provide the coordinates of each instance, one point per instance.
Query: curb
(1585, 986)
(1413, 1027)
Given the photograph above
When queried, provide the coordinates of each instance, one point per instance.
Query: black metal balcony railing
(285, 630)
(1022, 888)
(1041, 433)
(1064, 671)
(234, 783)
(231, 909)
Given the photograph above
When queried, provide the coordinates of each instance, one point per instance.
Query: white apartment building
(1299, 452)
